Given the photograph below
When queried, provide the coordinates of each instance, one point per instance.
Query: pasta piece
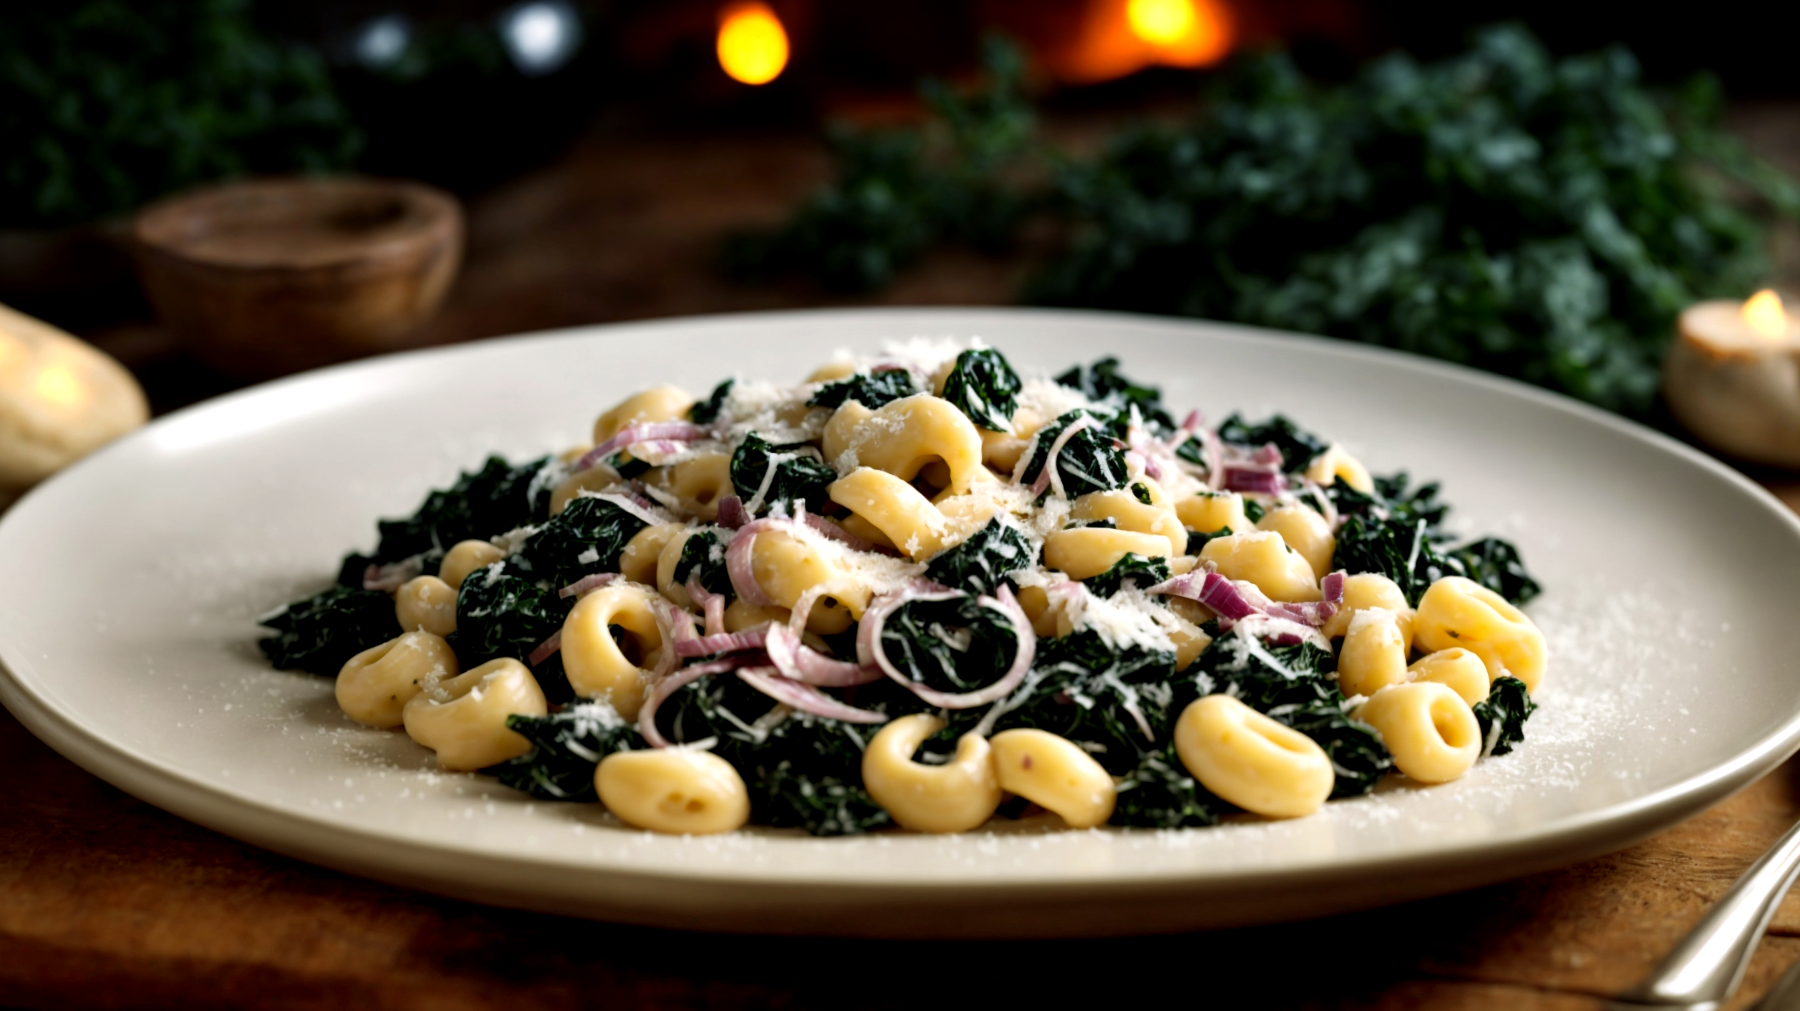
(905, 518)
(1428, 728)
(1458, 668)
(1365, 591)
(1208, 512)
(904, 438)
(1461, 612)
(1086, 552)
(956, 796)
(463, 718)
(374, 686)
(1335, 463)
(658, 403)
(1305, 531)
(677, 791)
(426, 604)
(698, 482)
(1373, 655)
(1055, 774)
(1124, 509)
(1255, 762)
(638, 562)
(465, 557)
(597, 478)
(1263, 558)
(600, 666)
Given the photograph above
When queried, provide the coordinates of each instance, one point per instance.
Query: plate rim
(287, 830)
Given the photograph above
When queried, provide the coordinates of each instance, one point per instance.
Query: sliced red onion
(1333, 587)
(712, 603)
(588, 584)
(667, 431)
(739, 560)
(1048, 477)
(1005, 603)
(546, 649)
(660, 692)
(1211, 589)
(1268, 454)
(1253, 479)
(1215, 457)
(1192, 423)
(390, 577)
(831, 529)
(671, 619)
(725, 642)
(800, 662)
(731, 512)
(638, 506)
(804, 697)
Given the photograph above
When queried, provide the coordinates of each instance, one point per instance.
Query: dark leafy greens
(1159, 793)
(1358, 758)
(1398, 533)
(871, 389)
(1298, 446)
(765, 474)
(1540, 217)
(707, 411)
(956, 645)
(481, 504)
(1089, 460)
(983, 385)
(1131, 568)
(1103, 384)
(587, 537)
(983, 560)
(1502, 715)
(503, 615)
(705, 552)
(567, 747)
(320, 633)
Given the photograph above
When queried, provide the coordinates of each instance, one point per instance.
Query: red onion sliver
(712, 603)
(660, 692)
(1333, 587)
(681, 431)
(1254, 480)
(1268, 454)
(724, 642)
(588, 584)
(800, 662)
(546, 649)
(1005, 603)
(731, 512)
(804, 696)
(738, 559)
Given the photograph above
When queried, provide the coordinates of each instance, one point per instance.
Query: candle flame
(1764, 315)
(753, 46)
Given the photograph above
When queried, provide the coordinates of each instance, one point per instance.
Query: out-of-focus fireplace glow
(753, 45)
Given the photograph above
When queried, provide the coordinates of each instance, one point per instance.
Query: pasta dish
(919, 589)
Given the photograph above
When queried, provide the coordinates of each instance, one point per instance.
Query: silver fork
(1705, 969)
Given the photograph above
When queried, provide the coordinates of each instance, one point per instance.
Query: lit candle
(1732, 377)
(60, 399)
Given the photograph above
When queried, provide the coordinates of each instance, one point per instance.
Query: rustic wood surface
(107, 902)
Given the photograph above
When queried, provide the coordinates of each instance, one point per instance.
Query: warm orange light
(753, 47)
(1160, 22)
(1764, 315)
(1120, 37)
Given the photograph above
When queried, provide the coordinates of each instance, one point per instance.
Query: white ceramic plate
(129, 586)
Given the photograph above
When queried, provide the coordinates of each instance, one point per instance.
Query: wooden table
(106, 902)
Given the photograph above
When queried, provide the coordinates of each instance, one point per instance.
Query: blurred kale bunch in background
(115, 103)
(899, 192)
(1541, 218)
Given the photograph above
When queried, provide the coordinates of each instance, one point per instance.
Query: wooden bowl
(268, 277)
